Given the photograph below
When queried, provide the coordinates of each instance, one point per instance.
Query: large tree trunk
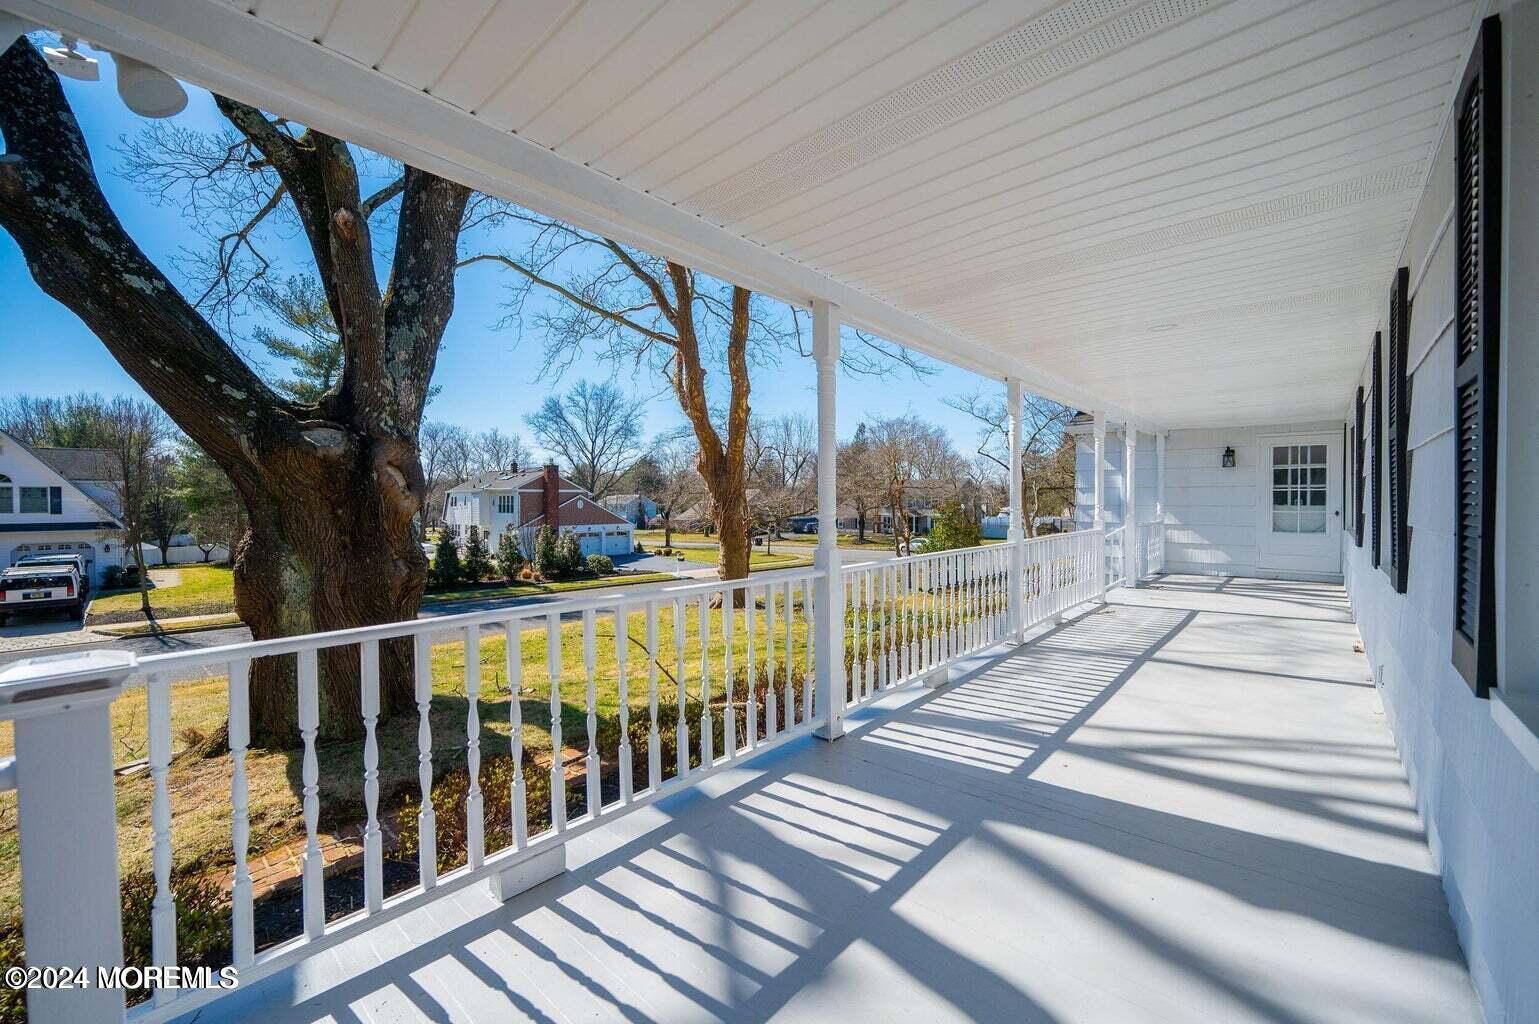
(732, 557)
(332, 486)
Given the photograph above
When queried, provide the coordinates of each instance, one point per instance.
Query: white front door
(1300, 487)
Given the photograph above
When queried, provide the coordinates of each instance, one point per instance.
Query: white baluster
(513, 658)
(682, 726)
(707, 731)
(729, 641)
(427, 819)
(654, 740)
(241, 921)
(790, 683)
(750, 699)
(373, 847)
(809, 706)
(312, 886)
(595, 793)
(771, 701)
(475, 815)
(557, 768)
(163, 909)
(869, 676)
(622, 641)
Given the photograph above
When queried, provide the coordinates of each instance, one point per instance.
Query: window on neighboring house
(505, 504)
(34, 500)
(1397, 428)
(1376, 451)
(1357, 468)
(7, 499)
(1477, 306)
(56, 501)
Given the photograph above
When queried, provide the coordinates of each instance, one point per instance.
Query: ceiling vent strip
(1406, 178)
(1013, 63)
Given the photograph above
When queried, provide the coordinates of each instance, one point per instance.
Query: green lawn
(202, 590)
(524, 589)
(653, 539)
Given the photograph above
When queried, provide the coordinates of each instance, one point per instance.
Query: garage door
(617, 543)
(591, 543)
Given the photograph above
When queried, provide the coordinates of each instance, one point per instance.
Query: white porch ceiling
(1185, 210)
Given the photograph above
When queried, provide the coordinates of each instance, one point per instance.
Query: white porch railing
(709, 680)
(1151, 548)
(1114, 566)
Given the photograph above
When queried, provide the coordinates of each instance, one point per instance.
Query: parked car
(74, 561)
(40, 588)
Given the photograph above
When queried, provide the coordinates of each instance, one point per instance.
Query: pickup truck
(40, 588)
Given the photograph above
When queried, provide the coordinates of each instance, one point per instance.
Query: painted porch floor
(1186, 806)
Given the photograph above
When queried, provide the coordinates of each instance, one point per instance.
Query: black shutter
(1397, 424)
(1375, 453)
(1477, 204)
(1358, 438)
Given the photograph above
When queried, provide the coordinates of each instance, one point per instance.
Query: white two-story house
(528, 499)
(56, 500)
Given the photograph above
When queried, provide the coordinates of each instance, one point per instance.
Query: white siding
(1478, 795)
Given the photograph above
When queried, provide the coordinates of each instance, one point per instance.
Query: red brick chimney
(551, 485)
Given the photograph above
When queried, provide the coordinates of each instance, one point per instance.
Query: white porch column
(66, 812)
(1016, 535)
(1159, 496)
(1099, 428)
(829, 625)
(1129, 504)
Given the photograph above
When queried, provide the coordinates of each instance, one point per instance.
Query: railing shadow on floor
(773, 875)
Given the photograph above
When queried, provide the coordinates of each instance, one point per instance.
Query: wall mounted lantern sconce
(1229, 457)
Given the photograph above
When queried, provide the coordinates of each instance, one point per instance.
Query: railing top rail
(392, 630)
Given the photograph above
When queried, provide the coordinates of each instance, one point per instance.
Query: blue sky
(489, 376)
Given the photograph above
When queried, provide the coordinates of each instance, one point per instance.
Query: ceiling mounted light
(147, 90)
(69, 62)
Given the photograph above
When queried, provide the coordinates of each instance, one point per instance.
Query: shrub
(478, 563)
(601, 565)
(510, 556)
(640, 548)
(112, 577)
(446, 571)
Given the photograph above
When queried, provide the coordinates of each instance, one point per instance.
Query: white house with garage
(58, 500)
(527, 499)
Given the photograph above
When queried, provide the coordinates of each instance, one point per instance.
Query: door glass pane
(1317, 477)
(1317, 498)
(1317, 454)
(1311, 522)
(1280, 456)
(1279, 499)
(1279, 478)
(1285, 522)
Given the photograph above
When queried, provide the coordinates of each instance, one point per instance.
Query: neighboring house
(525, 500)
(636, 509)
(55, 500)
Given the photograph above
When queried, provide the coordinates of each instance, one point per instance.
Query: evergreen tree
(571, 554)
(478, 562)
(547, 555)
(953, 529)
(446, 571)
(510, 556)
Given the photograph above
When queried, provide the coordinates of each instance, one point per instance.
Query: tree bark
(330, 487)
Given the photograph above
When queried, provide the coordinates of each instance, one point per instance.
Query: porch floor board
(1185, 806)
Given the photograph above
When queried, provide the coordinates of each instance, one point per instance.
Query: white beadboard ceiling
(1186, 211)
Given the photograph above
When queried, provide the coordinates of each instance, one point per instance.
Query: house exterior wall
(1473, 764)
(33, 533)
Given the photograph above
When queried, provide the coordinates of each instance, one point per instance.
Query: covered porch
(1184, 805)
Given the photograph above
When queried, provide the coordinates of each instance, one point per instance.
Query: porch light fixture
(148, 91)
(1229, 457)
(69, 62)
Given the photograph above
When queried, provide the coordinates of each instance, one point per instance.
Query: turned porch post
(1016, 534)
(829, 623)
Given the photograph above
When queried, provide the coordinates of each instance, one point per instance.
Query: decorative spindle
(681, 727)
(242, 923)
(513, 652)
(622, 641)
(163, 908)
(707, 731)
(312, 886)
(427, 820)
(475, 816)
(557, 768)
(373, 847)
(654, 742)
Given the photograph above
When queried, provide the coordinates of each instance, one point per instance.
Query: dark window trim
(1397, 422)
(1477, 302)
(1376, 453)
(1358, 440)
